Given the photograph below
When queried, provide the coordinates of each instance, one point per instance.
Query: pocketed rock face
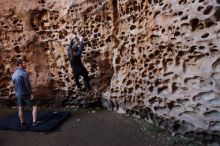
(167, 64)
(157, 58)
(40, 32)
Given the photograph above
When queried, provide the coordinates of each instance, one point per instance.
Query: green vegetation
(165, 135)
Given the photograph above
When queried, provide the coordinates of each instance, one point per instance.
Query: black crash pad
(50, 121)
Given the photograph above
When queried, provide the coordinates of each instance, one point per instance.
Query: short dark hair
(20, 61)
(74, 47)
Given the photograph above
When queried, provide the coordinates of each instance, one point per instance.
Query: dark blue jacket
(75, 60)
(22, 84)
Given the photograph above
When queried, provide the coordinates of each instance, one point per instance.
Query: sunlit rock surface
(40, 32)
(156, 58)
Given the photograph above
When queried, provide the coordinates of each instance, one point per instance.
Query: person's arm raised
(81, 47)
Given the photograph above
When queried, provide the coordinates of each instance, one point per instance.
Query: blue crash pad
(50, 121)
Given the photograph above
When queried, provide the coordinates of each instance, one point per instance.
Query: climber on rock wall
(74, 52)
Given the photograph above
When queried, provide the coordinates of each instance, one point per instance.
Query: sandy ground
(91, 127)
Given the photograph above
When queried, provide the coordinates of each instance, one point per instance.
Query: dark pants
(84, 73)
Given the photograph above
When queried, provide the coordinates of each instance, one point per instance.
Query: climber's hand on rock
(80, 38)
(32, 97)
(74, 36)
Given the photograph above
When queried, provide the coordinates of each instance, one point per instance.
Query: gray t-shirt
(22, 84)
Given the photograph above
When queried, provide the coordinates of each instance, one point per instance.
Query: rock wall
(166, 66)
(156, 58)
(40, 32)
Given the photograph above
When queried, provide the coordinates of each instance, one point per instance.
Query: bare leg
(21, 114)
(34, 113)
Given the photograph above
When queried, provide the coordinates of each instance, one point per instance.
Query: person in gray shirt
(23, 93)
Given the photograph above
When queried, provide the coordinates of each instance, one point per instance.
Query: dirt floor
(95, 127)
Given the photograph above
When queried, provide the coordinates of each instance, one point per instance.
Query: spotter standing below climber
(74, 51)
(23, 93)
